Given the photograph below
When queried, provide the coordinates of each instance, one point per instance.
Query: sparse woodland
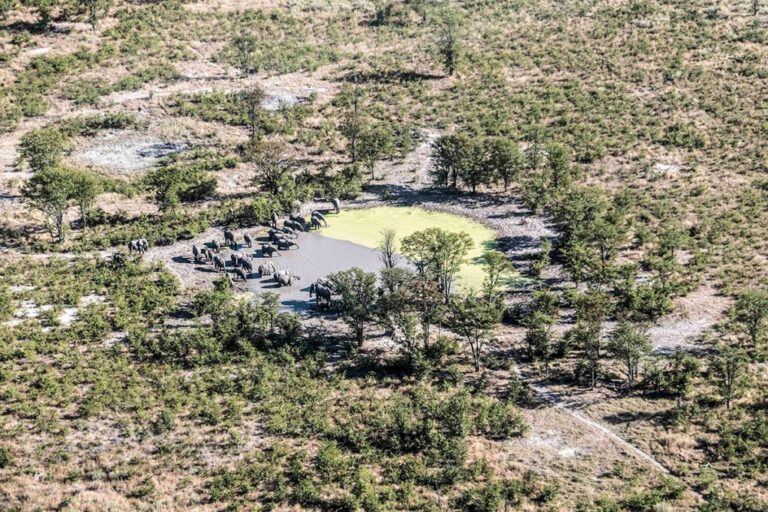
(614, 358)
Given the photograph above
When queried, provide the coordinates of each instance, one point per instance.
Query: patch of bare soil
(126, 151)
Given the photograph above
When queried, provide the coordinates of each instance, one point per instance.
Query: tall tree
(272, 164)
(352, 123)
(50, 190)
(388, 248)
(449, 33)
(504, 160)
(474, 319)
(730, 369)
(680, 375)
(357, 291)
(751, 310)
(374, 143)
(496, 265)
(85, 187)
(448, 155)
(252, 98)
(629, 344)
(473, 168)
(438, 255)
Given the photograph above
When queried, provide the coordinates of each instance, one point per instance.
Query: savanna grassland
(613, 359)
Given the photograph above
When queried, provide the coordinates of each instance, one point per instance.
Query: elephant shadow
(206, 269)
(182, 259)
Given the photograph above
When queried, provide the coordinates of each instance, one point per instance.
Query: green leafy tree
(175, 183)
(43, 148)
(629, 344)
(682, 371)
(504, 160)
(50, 190)
(592, 308)
(352, 122)
(373, 144)
(86, 186)
(730, 369)
(474, 319)
(751, 310)
(474, 169)
(496, 265)
(449, 34)
(272, 164)
(251, 98)
(357, 291)
(243, 50)
(543, 314)
(437, 255)
(448, 155)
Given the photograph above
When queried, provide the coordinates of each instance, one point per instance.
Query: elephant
(319, 216)
(229, 238)
(285, 278)
(325, 282)
(320, 292)
(274, 219)
(207, 254)
(336, 204)
(139, 245)
(248, 240)
(196, 253)
(241, 274)
(291, 224)
(216, 246)
(300, 220)
(291, 233)
(316, 223)
(143, 244)
(268, 250)
(274, 234)
(266, 269)
(235, 257)
(219, 264)
(247, 265)
(284, 244)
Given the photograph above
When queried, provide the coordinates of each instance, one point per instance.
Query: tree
(244, 53)
(544, 312)
(172, 184)
(271, 162)
(473, 168)
(449, 29)
(504, 160)
(730, 370)
(94, 8)
(592, 308)
(357, 290)
(438, 255)
(629, 344)
(252, 97)
(351, 123)
(473, 318)
(448, 155)
(43, 148)
(751, 310)
(496, 266)
(50, 190)
(388, 248)
(86, 186)
(396, 307)
(680, 375)
(373, 143)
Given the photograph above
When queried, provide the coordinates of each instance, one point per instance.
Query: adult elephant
(292, 224)
(248, 240)
(284, 244)
(268, 250)
(300, 220)
(237, 259)
(336, 204)
(266, 269)
(316, 223)
(285, 278)
(289, 232)
(320, 292)
(216, 246)
(219, 264)
(274, 219)
(241, 274)
(247, 265)
(229, 238)
(195, 253)
(320, 217)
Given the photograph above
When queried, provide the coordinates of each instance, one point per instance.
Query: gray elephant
(275, 234)
(274, 219)
(300, 220)
(216, 246)
(285, 278)
(320, 292)
(133, 246)
(268, 250)
(229, 238)
(241, 274)
(316, 223)
(247, 265)
(266, 269)
(320, 217)
(195, 253)
(219, 264)
(208, 254)
(289, 232)
(235, 257)
(248, 240)
(291, 224)
(143, 245)
(336, 204)
(284, 244)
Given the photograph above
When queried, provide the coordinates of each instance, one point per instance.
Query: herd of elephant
(281, 238)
